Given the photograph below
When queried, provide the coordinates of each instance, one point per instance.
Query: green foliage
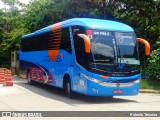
(11, 29)
(142, 15)
(154, 85)
(153, 68)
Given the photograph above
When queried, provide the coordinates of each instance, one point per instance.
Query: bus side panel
(44, 70)
(23, 69)
(37, 63)
(63, 65)
(79, 84)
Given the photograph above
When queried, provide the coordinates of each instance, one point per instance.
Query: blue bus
(81, 55)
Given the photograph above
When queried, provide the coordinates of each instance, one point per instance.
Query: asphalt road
(24, 97)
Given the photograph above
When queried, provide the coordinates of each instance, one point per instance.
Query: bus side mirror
(87, 42)
(147, 45)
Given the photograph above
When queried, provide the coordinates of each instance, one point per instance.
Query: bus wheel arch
(67, 86)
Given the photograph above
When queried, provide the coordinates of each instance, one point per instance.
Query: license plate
(117, 91)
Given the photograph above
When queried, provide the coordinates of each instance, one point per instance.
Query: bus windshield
(113, 53)
(102, 47)
(113, 47)
(127, 48)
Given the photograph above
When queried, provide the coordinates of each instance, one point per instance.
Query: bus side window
(79, 45)
(35, 43)
(65, 41)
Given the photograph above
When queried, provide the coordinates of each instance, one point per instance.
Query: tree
(11, 30)
(153, 67)
(143, 16)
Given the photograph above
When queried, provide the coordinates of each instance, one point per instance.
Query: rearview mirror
(147, 45)
(87, 42)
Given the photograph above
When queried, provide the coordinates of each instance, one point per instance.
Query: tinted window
(102, 47)
(58, 39)
(126, 45)
(65, 41)
(35, 43)
(79, 45)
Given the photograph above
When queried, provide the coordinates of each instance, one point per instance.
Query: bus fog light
(81, 82)
(136, 90)
(95, 90)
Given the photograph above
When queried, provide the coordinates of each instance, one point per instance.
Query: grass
(154, 85)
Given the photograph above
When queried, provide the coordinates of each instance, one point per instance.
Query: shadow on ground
(59, 94)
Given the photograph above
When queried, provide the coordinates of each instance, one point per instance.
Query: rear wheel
(29, 78)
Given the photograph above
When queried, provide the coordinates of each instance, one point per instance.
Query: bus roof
(88, 23)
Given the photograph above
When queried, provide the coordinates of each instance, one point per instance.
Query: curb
(149, 91)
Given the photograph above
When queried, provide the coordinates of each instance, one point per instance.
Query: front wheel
(70, 93)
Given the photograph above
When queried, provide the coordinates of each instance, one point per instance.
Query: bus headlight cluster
(108, 84)
(136, 81)
(92, 79)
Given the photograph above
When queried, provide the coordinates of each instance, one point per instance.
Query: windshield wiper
(121, 57)
(115, 58)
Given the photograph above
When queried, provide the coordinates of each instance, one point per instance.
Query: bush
(153, 68)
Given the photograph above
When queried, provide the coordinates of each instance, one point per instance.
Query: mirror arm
(87, 42)
(147, 45)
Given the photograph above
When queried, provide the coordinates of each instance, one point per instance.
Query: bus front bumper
(113, 89)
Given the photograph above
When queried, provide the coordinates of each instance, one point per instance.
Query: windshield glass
(102, 47)
(113, 47)
(126, 48)
(112, 53)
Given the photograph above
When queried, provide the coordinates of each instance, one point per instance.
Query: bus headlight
(92, 79)
(136, 81)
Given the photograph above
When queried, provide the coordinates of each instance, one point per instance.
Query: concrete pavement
(24, 97)
(150, 91)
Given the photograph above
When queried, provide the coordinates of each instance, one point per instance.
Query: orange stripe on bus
(54, 53)
(51, 37)
(56, 33)
(54, 42)
(57, 36)
(58, 45)
(56, 26)
(58, 39)
(54, 38)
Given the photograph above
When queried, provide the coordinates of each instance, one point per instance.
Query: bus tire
(67, 86)
(69, 91)
(30, 82)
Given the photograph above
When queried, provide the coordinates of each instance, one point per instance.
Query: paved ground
(24, 97)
